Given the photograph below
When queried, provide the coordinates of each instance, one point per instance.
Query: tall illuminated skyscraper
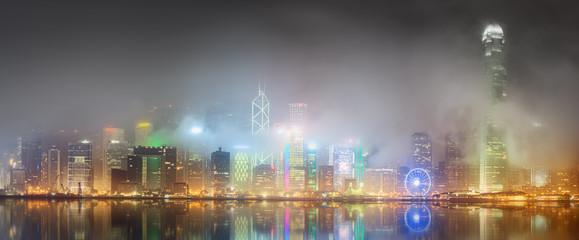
(260, 125)
(260, 114)
(422, 151)
(493, 159)
(295, 160)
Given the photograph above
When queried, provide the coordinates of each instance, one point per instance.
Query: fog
(374, 71)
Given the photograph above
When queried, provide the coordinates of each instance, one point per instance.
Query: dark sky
(378, 71)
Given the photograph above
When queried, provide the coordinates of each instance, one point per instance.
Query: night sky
(377, 71)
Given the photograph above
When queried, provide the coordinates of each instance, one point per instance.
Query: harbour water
(186, 219)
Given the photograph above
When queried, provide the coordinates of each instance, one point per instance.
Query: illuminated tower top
(260, 113)
(494, 58)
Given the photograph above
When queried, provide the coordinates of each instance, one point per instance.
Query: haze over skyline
(374, 71)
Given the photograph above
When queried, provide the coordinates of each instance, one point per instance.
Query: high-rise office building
(342, 158)
(54, 178)
(455, 168)
(100, 162)
(220, 170)
(421, 151)
(260, 126)
(157, 167)
(295, 159)
(298, 115)
(260, 114)
(493, 150)
(241, 171)
(195, 161)
(80, 171)
(264, 179)
(115, 158)
(311, 168)
(143, 133)
(31, 155)
(326, 178)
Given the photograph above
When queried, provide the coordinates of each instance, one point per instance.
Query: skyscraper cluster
(115, 161)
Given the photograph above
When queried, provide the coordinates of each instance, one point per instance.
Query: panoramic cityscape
(289, 121)
(281, 158)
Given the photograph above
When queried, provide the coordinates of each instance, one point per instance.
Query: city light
(196, 130)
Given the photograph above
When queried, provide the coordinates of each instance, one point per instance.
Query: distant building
(311, 177)
(455, 168)
(194, 170)
(400, 178)
(31, 155)
(220, 170)
(422, 151)
(115, 158)
(241, 171)
(264, 179)
(298, 115)
(342, 158)
(80, 167)
(380, 181)
(54, 178)
(326, 178)
(295, 154)
(156, 165)
(143, 133)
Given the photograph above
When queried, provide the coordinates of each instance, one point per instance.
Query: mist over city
(377, 72)
(289, 120)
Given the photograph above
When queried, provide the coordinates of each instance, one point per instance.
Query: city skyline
(424, 75)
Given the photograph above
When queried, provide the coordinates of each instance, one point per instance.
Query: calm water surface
(159, 219)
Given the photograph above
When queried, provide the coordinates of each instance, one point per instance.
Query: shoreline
(284, 199)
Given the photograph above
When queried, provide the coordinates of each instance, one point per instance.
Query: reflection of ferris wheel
(417, 182)
(417, 218)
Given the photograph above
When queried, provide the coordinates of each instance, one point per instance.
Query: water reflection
(155, 219)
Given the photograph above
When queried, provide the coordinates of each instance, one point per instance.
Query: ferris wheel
(417, 182)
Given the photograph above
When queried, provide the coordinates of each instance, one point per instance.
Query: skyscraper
(455, 165)
(298, 115)
(31, 155)
(220, 170)
(311, 168)
(195, 161)
(493, 151)
(241, 171)
(54, 178)
(421, 151)
(260, 125)
(143, 134)
(158, 166)
(80, 171)
(295, 160)
(326, 178)
(115, 158)
(260, 114)
(100, 162)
